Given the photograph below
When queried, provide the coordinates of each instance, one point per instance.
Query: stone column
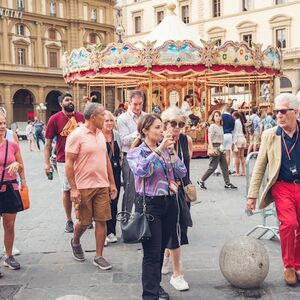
(8, 104)
(5, 42)
(40, 49)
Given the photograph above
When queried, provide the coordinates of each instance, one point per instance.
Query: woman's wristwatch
(23, 181)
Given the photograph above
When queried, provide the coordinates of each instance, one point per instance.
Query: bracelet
(23, 181)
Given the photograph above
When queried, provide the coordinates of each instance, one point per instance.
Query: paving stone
(49, 271)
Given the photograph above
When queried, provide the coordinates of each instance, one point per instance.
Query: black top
(184, 155)
(115, 162)
(285, 173)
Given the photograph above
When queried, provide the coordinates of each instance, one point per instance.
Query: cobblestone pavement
(49, 271)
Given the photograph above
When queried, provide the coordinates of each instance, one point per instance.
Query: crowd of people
(152, 155)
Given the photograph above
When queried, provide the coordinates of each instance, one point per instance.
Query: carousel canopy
(171, 52)
(171, 28)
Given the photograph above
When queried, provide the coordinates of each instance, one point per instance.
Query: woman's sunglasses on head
(174, 124)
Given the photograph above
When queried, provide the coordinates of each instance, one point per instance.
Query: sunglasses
(282, 111)
(174, 124)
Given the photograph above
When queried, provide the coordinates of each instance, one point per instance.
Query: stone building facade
(33, 36)
(270, 22)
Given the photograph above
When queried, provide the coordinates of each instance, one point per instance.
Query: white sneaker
(14, 252)
(179, 283)
(105, 242)
(166, 267)
(111, 238)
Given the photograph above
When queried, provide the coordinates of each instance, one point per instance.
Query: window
(285, 83)
(281, 36)
(53, 59)
(159, 16)
(218, 42)
(20, 4)
(248, 39)
(52, 9)
(52, 34)
(280, 1)
(247, 5)
(216, 8)
(185, 14)
(138, 24)
(94, 15)
(93, 38)
(20, 29)
(21, 56)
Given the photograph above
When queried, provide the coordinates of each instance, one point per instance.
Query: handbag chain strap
(5, 161)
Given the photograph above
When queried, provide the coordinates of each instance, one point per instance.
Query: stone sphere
(244, 262)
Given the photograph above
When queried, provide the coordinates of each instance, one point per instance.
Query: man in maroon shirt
(60, 125)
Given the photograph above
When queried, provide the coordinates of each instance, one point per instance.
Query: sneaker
(102, 263)
(179, 283)
(111, 238)
(11, 263)
(14, 252)
(166, 265)
(201, 185)
(230, 186)
(91, 226)
(69, 226)
(77, 251)
(105, 242)
(162, 294)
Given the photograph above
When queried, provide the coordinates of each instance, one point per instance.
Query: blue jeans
(39, 136)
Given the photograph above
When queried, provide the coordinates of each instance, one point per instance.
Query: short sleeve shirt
(91, 165)
(13, 149)
(55, 126)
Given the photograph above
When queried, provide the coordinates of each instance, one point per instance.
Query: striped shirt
(158, 172)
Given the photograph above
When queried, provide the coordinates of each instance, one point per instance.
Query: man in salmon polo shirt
(91, 179)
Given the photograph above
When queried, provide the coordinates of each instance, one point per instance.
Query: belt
(295, 181)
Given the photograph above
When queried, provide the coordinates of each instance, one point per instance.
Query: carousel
(170, 63)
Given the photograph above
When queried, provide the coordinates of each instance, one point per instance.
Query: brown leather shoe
(290, 276)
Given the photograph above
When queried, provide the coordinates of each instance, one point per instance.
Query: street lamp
(119, 28)
(41, 108)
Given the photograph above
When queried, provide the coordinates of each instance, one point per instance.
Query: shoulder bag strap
(5, 161)
(144, 197)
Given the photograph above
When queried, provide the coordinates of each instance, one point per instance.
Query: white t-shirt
(185, 107)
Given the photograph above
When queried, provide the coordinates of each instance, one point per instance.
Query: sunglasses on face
(282, 111)
(174, 124)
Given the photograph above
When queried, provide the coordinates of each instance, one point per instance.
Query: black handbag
(135, 226)
(10, 199)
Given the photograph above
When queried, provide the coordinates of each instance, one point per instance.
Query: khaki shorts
(94, 205)
(254, 139)
(241, 142)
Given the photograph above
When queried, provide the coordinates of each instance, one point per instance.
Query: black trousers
(111, 224)
(164, 210)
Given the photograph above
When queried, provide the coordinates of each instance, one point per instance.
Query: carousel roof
(170, 52)
(170, 28)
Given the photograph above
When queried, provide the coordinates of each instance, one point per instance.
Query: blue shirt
(285, 172)
(38, 126)
(228, 122)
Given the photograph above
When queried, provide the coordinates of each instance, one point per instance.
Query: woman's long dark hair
(238, 115)
(145, 123)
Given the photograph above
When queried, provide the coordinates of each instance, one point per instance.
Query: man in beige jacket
(280, 152)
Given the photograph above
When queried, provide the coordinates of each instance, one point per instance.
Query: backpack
(268, 123)
(249, 126)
